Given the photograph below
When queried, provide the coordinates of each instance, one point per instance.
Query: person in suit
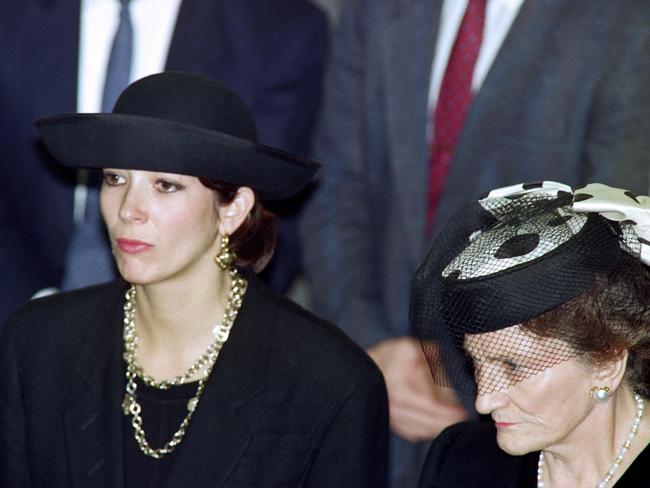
(271, 52)
(131, 383)
(543, 291)
(558, 91)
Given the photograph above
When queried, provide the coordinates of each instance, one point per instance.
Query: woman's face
(161, 225)
(535, 405)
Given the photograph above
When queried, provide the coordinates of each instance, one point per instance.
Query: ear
(611, 374)
(233, 214)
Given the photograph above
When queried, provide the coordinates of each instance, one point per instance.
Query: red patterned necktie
(453, 101)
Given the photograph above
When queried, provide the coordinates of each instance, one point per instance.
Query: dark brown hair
(254, 241)
(611, 318)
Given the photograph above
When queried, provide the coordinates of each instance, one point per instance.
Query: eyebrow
(499, 357)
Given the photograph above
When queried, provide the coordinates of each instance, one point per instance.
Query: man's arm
(338, 249)
(340, 252)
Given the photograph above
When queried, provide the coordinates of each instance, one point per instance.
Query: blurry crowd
(413, 107)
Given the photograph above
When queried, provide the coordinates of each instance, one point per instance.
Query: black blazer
(467, 455)
(291, 400)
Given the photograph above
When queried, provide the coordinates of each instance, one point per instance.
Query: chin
(515, 446)
(134, 276)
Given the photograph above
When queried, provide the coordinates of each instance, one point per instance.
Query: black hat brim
(150, 144)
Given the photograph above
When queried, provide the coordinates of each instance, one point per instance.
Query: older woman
(543, 293)
(191, 372)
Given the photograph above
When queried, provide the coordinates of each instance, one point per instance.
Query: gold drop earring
(226, 257)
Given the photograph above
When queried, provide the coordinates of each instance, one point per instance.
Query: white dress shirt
(153, 26)
(499, 15)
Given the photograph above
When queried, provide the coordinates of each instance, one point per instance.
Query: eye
(511, 365)
(167, 186)
(113, 179)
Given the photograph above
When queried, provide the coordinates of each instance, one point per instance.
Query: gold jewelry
(226, 257)
(206, 362)
(600, 394)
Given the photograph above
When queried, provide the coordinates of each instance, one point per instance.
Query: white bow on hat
(620, 206)
(612, 203)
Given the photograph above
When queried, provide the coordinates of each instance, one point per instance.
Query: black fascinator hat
(510, 257)
(178, 123)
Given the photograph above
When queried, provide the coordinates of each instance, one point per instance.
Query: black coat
(467, 455)
(291, 400)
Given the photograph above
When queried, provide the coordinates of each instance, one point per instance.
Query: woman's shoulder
(67, 302)
(311, 339)
(467, 454)
(61, 314)
(466, 437)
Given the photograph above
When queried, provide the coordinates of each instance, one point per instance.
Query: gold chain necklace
(205, 363)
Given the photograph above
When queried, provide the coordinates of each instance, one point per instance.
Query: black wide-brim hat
(180, 123)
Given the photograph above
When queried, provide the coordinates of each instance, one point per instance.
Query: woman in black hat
(192, 373)
(542, 294)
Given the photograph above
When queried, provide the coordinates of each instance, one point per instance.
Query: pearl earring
(600, 394)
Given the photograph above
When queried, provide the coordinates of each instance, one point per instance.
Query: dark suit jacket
(270, 52)
(566, 99)
(291, 400)
(467, 455)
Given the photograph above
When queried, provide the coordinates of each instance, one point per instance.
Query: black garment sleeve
(354, 451)
(14, 471)
(467, 455)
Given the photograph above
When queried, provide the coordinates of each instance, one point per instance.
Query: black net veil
(499, 263)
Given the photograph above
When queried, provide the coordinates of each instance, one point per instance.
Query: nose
(487, 403)
(490, 389)
(483, 404)
(133, 205)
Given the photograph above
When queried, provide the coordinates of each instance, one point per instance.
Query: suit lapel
(213, 39)
(407, 58)
(204, 42)
(527, 34)
(216, 434)
(93, 423)
(511, 68)
(194, 43)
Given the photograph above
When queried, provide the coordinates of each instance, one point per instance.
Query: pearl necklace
(132, 407)
(640, 407)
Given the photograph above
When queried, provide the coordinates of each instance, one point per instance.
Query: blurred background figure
(428, 101)
(62, 56)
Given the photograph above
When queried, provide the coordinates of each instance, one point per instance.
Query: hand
(419, 409)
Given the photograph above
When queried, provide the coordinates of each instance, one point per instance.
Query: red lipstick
(503, 425)
(132, 246)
